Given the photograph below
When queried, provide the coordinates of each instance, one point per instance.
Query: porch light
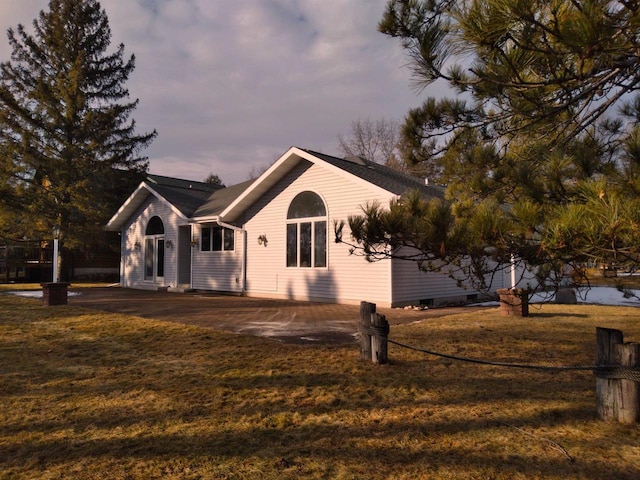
(262, 240)
(169, 244)
(137, 245)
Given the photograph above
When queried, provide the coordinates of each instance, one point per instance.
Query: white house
(273, 237)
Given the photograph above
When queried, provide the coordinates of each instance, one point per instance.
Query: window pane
(217, 239)
(292, 245)
(148, 259)
(155, 227)
(320, 244)
(160, 267)
(229, 239)
(306, 204)
(206, 240)
(305, 244)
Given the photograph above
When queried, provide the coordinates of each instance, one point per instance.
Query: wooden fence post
(366, 311)
(628, 355)
(379, 346)
(374, 331)
(617, 398)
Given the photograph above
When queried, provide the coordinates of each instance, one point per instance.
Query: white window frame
(224, 231)
(313, 221)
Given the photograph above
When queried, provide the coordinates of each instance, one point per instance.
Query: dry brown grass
(90, 396)
(10, 287)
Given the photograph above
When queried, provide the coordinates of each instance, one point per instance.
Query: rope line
(601, 371)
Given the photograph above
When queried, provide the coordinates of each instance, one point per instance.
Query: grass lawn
(87, 395)
(9, 287)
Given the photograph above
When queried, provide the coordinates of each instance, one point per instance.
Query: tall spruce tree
(538, 140)
(67, 144)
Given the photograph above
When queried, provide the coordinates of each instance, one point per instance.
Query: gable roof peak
(380, 175)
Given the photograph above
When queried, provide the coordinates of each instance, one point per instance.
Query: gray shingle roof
(221, 199)
(199, 199)
(185, 195)
(382, 176)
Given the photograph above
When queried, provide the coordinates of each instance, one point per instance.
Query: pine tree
(547, 71)
(540, 129)
(66, 139)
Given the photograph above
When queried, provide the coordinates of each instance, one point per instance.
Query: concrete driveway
(285, 320)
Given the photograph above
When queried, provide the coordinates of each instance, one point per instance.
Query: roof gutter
(216, 219)
(210, 218)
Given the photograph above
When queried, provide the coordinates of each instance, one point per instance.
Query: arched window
(307, 231)
(155, 226)
(154, 250)
(306, 204)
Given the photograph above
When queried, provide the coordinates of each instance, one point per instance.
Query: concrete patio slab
(285, 320)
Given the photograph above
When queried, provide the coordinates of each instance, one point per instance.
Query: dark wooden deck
(25, 261)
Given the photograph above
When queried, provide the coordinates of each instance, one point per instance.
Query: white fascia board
(277, 165)
(285, 164)
(116, 222)
(206, 219)
(215, 219)
(134, 201)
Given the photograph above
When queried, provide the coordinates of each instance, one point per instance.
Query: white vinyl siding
(217, 270)
(133, 244)
(412, 285)
(346, 278)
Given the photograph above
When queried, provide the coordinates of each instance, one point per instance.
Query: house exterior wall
(133, 232)
(221, 271)
(347, 278)
(413, 286)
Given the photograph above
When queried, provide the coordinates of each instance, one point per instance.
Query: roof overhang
(206, 219)
(275, 173)
(133, 203)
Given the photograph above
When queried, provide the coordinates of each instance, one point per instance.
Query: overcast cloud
(231, 84)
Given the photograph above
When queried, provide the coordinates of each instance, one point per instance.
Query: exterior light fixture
(262, 240)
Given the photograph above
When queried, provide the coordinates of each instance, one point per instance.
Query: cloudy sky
(231, 84)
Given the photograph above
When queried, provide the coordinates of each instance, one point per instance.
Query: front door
(154, 259)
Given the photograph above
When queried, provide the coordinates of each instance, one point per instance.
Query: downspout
(192, 247)
(243, 263)
(123, 248)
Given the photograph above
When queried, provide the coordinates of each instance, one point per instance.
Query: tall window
(154, 249)
(217, 239)
(307, 231)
